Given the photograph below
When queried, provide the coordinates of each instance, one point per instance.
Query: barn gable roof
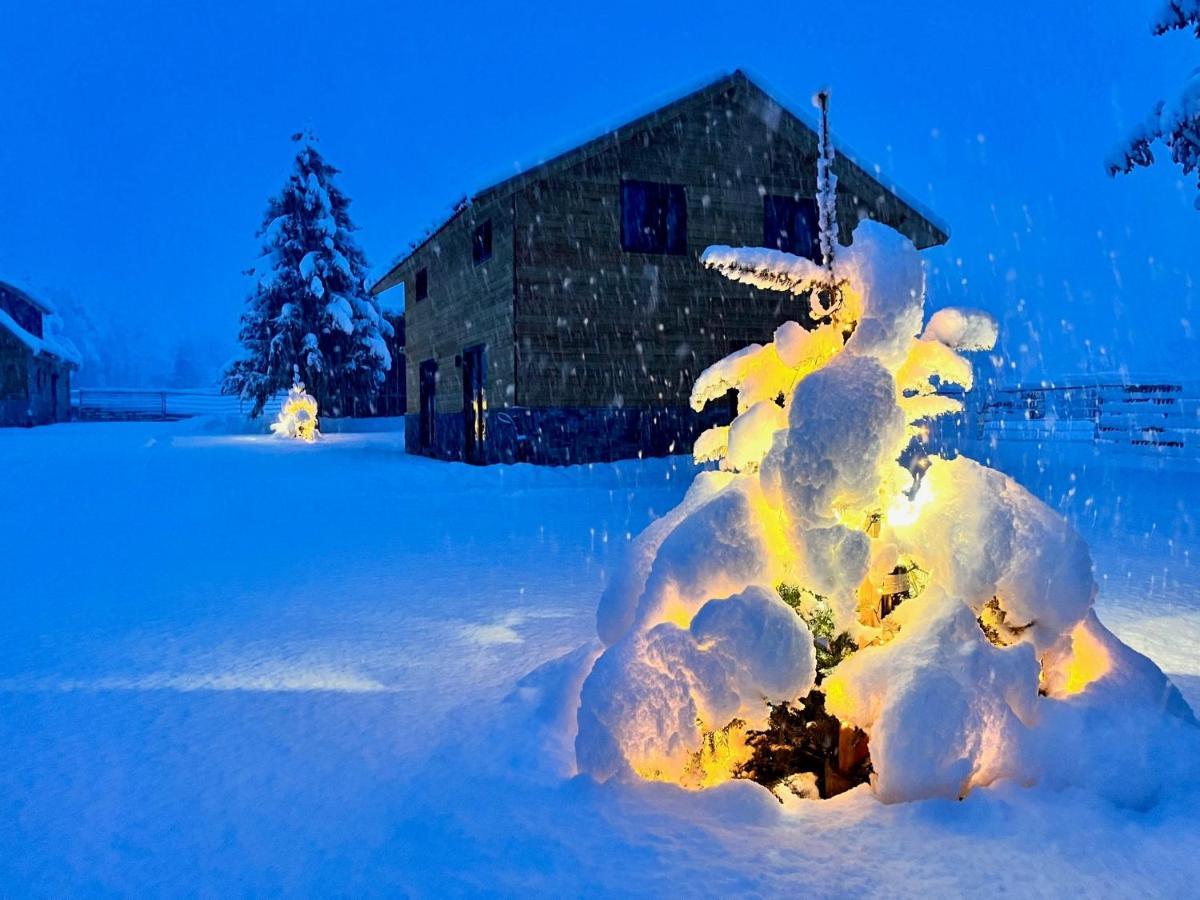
(22, 294)
(770, 110)
(50, 344)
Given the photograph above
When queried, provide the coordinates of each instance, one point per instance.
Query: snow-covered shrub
(975, 653)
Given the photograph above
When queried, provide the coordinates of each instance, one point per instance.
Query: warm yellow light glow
(1089, 660)
(677, 614)
(720, 753)
(837, 699)
(904, 512)
(774, 532)
(297, 416)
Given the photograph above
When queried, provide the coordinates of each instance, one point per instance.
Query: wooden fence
(121, 405)
(1153, 415)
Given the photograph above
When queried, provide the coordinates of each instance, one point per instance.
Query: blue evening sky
(139, 140)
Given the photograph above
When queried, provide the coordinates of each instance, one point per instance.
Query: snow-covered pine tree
(310, 308)
(1175, 121)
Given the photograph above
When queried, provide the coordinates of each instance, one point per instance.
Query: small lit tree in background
(310, 310)
(298, 414)
(1175, 121)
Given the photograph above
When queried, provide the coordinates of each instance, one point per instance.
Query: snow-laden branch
(962, 329)
(1175, 121)
(769, 270)
(1178, 14)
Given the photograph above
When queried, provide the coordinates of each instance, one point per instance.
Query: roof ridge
(668, 109)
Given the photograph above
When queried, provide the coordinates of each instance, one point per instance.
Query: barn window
(653, 217)
(481, 245)
(790, 225)
(422, 284)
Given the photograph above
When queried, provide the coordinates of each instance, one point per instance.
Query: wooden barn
(35, 366)
(561, 316)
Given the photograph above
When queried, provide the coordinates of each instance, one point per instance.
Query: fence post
(163, 396)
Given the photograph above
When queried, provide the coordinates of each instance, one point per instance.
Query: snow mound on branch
(843, 425)
(962, 329)
(720, 547)
(756, 372)
(619, 602)
(823, 472)
(944, 708)
(751, 434)
(340, 311)
(929, 359)
(985, 537)
(649, 697)
(947, 711)
(712, 445)
(797, 347)
(1115, 725)
(886, 281)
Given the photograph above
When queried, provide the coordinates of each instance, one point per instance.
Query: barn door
(474, 370)
(428, 380)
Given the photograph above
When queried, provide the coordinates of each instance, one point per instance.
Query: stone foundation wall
(570, 436)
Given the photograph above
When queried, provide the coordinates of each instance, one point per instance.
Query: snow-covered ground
(230, 664)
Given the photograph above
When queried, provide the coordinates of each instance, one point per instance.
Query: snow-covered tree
(298, 415)
(310, 308)
(812, 615)
(1174, 121)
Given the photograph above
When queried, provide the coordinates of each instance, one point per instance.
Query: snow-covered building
(562, 316)
(35, 362)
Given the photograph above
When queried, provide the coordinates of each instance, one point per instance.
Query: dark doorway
(474, 372)
(54, 395)
(428, 396)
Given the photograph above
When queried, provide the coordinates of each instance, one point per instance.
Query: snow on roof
(52, 343)
(26, 293)
(631, 118)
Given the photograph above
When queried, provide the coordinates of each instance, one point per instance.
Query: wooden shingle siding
(467, 304)
(573, 324)
(600, 326)
(34, 389)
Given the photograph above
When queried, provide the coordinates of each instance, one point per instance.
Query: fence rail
(120, 405)
(1154, 415)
